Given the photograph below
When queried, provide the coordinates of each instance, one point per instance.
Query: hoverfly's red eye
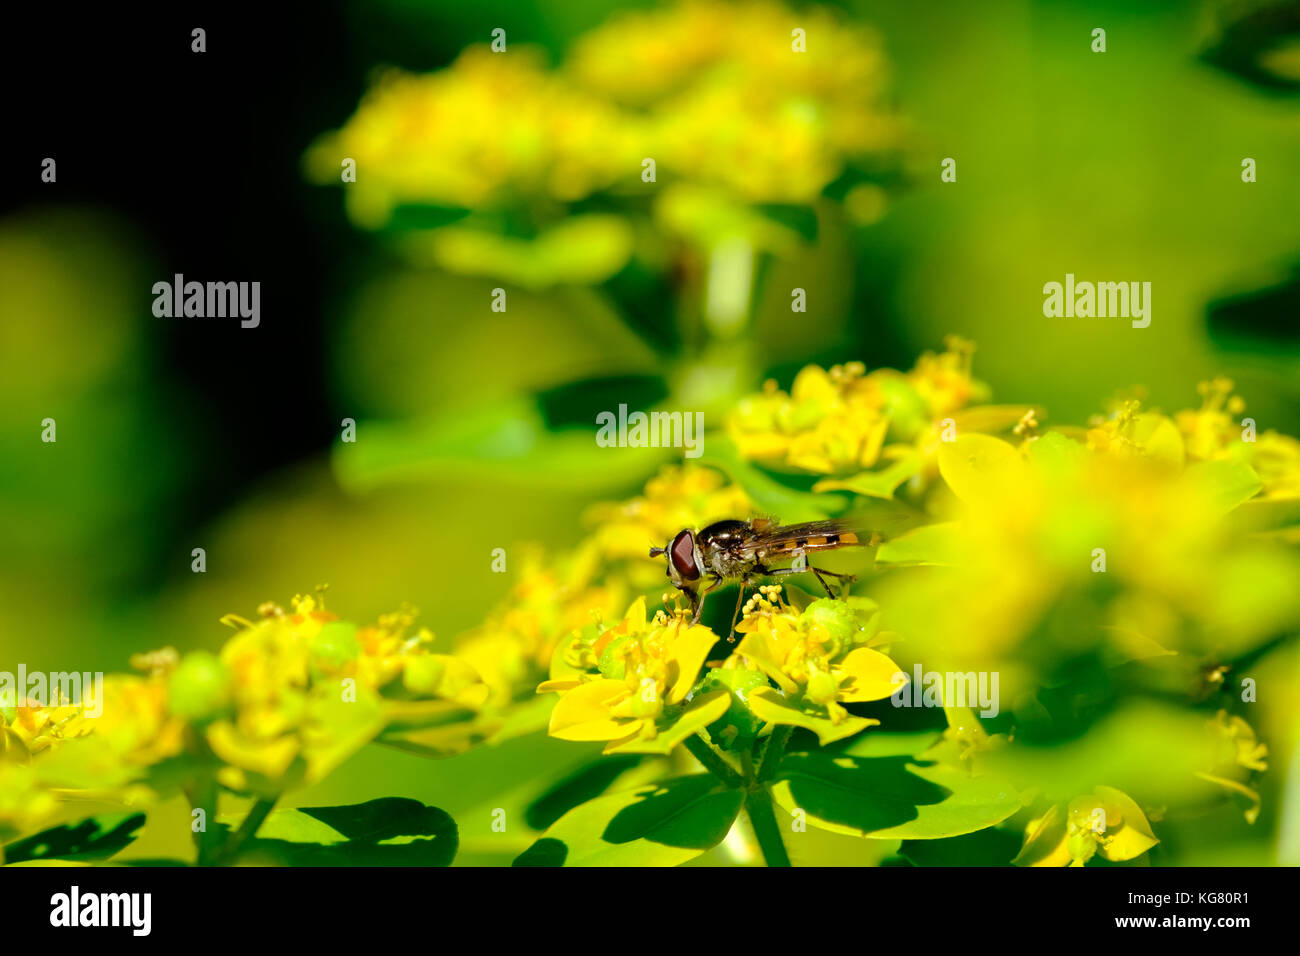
(682, 554)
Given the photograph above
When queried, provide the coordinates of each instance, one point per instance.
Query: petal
(584, 712)
(767, 704)
(759, 649)
(867, 675)
(635, 616)
(981, 469)
(1046, 841)
(557, 686)
(1132, 839)
(689, 651)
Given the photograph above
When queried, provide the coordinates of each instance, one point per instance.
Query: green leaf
(933, 544)
(391, 831)
(989, 847)
(507, 441)
(769, 495)
(892, 797)
(883, 744)
(708, 217)
(95, 838)
(702, 712)
(877, 484)
(581, 250)
(1267, 514)
(796, 218)
(424, 216)
(768, 704)
(525, 717)
(588, 783)
(1227, 483)
(662, 824)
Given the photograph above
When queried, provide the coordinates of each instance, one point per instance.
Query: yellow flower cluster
(752, 97)
(844, 420)
(513, 647)
(1210, 433)
(440, 139)
(629, 685)
(637, 684)
(716, 93)
(285, 701)
(820, 659)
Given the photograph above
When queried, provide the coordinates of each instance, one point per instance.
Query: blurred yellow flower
(1237, 754)
(551, 600)
(24, 804)
(441, 139)
(839, 420)
(1213, 433)
(1106, 822)
(737, 99)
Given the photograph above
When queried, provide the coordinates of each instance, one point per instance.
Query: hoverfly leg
(740, 600)
(845, 580)
(698, 601)
(849, 578)
(817, 571)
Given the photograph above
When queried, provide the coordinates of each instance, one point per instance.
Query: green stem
(758, 802)
(773, 752)
(712, 760)
(202, 795)
(256, 816)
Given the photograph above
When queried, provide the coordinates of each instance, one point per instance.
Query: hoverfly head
(683, 566)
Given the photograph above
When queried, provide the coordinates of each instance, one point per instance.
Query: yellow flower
(638, 697)
(844, 420)
(1034, 526)
(820, 659)
(1131, 433)
(1237, 754)
(944, 381)
(679, 496)
(308, 690)
(1210, 430)
(1106, 822)
(439, 139)
(25, 805)
(513, 648)
(730, 103)
(1212, 433)
(831, 421)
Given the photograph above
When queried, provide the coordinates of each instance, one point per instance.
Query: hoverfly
(741, 550)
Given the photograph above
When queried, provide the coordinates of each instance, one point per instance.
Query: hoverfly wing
(770, 540)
